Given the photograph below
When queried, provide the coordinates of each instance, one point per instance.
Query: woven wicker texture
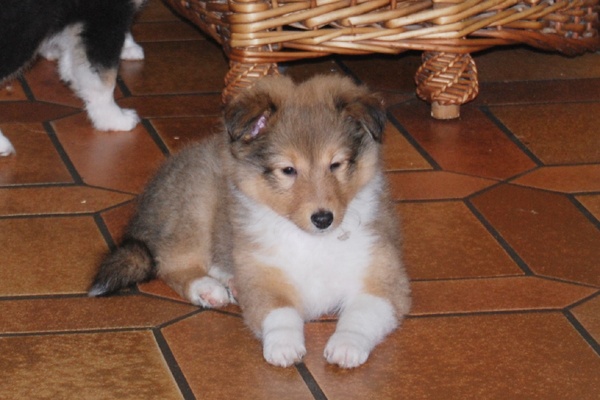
(256, 32)
(447, 79)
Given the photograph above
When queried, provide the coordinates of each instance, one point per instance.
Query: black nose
(322, 219)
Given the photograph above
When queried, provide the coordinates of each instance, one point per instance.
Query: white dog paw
(6, 148)
(131, 50)
(208, 292)
(347, 349)
(283, 337)
(283, 347)
(115, 119)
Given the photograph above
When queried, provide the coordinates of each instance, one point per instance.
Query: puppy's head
(305, 150)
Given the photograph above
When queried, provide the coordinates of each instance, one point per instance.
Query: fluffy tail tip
(130, 264)
(98, 290)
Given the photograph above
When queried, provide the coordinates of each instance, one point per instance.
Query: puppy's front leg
(270, 310)
(363, 323)
(283, 337)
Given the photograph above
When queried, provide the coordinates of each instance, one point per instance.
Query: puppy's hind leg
(187, 275)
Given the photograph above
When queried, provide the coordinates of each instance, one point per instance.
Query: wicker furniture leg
(243, 75)
(446, 80)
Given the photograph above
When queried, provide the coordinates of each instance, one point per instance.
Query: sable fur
(288, 209)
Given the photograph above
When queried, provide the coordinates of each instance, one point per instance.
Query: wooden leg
(447, 80)
(244, 75)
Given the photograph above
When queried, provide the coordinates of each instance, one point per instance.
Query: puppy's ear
(248, 114)
(366, 110)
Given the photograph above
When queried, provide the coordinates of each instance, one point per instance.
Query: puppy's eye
(335, 166)
(289, 171)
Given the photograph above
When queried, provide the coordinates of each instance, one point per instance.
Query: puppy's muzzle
(322, 219)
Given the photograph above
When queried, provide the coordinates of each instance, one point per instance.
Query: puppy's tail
(131, 263)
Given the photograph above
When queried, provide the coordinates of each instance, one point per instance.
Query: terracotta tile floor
(501, 221)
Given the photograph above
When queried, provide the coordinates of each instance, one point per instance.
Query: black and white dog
(87, 38)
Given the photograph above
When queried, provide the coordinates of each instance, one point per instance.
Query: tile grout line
(589, 339)
(413, 142)
(49, 215)
(485, 313)
(104, 231)
(583, 210)
(179, 318)
(144, 121)
(123, 87)
(27, 89)
(584, 300)
(93, 331)
(41, 185)
(345, 69)
(510, 135)
(173, 366)
(310, 381)
(567, 281)
(62, 153)
(512, 253)
(155, 136)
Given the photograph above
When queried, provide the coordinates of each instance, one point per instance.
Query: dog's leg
(269, 305)
(283, 337)
(51, 50)
(131, 50)
(185, 270)
(94, 84)
(6, 148)
(363, 323)
(96, 88)
(212, 290)
(208, 292)
(197, 287)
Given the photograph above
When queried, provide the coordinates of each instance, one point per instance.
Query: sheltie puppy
(288, 210)
(86, 37)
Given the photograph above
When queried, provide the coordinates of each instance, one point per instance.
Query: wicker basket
(257, 34)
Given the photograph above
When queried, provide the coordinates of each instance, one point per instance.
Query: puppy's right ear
(247, 115)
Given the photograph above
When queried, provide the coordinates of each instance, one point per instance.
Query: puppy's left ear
(368, 112)
(246, 117)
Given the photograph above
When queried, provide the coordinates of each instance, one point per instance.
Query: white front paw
(347, 349)
(283, 337)
(115, 119)
(208, 292)
(283, 347)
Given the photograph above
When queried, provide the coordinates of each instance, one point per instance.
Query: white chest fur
(327, 269)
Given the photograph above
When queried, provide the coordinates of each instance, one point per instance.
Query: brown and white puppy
(290, 206)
